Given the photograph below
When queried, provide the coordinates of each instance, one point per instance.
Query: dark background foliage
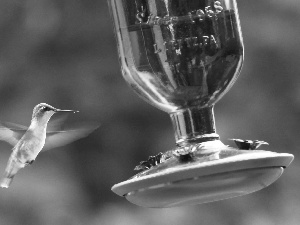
(63, 52)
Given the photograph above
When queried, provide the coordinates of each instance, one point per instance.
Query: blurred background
(63, 52)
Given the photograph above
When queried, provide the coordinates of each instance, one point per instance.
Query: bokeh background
(63, 52)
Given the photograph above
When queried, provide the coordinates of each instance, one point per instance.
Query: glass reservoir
(179, 54)
(182, 56)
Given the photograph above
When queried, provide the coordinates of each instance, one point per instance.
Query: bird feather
(12, 133)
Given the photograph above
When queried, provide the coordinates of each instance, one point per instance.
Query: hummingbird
(28, 142)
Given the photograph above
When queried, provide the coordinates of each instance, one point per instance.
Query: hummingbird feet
(29, 162)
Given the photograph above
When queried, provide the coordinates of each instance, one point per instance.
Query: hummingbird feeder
(182, 56)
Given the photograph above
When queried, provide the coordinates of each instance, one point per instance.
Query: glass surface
(178, 54)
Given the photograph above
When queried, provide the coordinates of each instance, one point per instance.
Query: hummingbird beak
(65, 110)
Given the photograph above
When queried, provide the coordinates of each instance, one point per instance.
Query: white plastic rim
(197, 183)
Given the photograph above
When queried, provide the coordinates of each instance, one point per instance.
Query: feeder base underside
(198, 190)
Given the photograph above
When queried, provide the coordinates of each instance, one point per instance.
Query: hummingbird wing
(57, 123)
(56, 139)
(11, 132)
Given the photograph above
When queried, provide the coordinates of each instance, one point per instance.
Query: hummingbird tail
(13, 166)
(6, 181)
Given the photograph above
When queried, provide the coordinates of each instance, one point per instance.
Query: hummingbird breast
(29, 146)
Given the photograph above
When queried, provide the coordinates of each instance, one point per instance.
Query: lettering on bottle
(190, 49)
(190, 43)
(143, 17)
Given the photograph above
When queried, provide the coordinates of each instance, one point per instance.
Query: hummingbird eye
(45, 108)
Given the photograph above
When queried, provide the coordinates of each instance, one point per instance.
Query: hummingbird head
(43, 112)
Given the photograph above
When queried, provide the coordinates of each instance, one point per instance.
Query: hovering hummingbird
(29, 142)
